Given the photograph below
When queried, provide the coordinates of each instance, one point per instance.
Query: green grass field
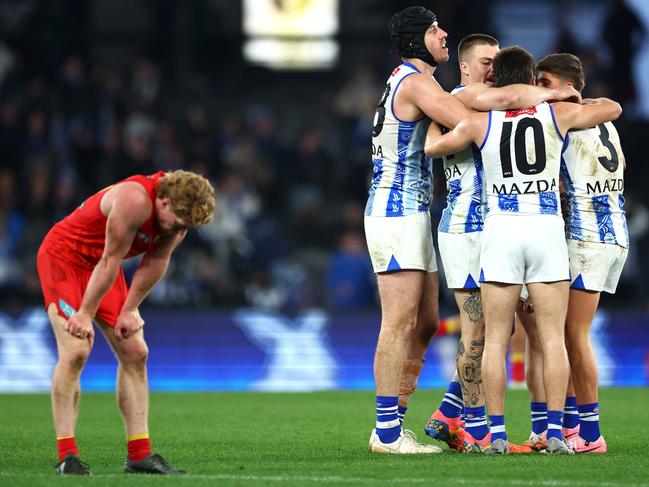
(299, 439)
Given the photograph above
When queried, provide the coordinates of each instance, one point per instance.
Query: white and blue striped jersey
(402, 177)
(592, 171)
(521, 155)
(464, 187)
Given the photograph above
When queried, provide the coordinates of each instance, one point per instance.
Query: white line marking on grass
(356, 480)
(458, 481)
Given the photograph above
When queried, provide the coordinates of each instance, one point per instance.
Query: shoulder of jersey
(457, 89)
(403, 68)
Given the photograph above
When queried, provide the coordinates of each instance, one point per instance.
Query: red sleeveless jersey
(80, 237)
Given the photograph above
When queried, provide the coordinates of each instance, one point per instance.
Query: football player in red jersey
(79, 266)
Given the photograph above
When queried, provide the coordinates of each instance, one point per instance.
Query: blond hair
(191, 195)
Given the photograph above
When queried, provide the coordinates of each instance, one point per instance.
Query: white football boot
(406, 444)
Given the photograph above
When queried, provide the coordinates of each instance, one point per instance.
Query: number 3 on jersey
(379, 116)
(520, 148)
(611, 164)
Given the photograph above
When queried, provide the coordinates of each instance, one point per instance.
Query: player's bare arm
(595, 101)
(482, 97)
(126, 206)
(152, 268)
(421, 95)
(470, 130)
(571, 115)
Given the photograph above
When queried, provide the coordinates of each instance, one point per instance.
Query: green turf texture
(305, 439)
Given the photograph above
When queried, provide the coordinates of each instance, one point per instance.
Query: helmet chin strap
(427, 57)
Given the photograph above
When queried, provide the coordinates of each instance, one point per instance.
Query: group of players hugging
(534, 227)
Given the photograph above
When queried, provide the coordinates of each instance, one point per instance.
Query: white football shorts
(520, 249)
(595, 266)
(460, 253)
(400, 242)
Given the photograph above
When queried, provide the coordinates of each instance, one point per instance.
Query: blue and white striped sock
(388, 426)
(570, 413)
(589, 421)
(497, 428)
(452, 403)
(402, 412)
(539, 417)
(554, 424)
(475, 422)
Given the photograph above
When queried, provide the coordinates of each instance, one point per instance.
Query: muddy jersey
(464, 190)
(402, 175)
(81, 236)
(592, 171)
(521, 155)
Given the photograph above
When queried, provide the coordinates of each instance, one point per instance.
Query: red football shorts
(64, 285)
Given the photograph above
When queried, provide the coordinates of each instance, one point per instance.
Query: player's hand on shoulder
(567, 93)
(128, 323)
(596, 101)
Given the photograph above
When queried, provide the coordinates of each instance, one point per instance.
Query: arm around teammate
(581, 116)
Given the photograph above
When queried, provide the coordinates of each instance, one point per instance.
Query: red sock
(139, 447)
(66, 445)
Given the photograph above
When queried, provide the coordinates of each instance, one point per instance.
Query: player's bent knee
(403, 318)
(405, 313)
(403, 328)
(75, 358)
(137, 354)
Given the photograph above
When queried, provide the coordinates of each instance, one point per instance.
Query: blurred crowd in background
(85, 101)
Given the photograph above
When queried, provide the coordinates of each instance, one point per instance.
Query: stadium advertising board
(265, 351)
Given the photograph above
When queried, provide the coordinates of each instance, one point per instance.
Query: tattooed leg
(472, 306)
(471, 346)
